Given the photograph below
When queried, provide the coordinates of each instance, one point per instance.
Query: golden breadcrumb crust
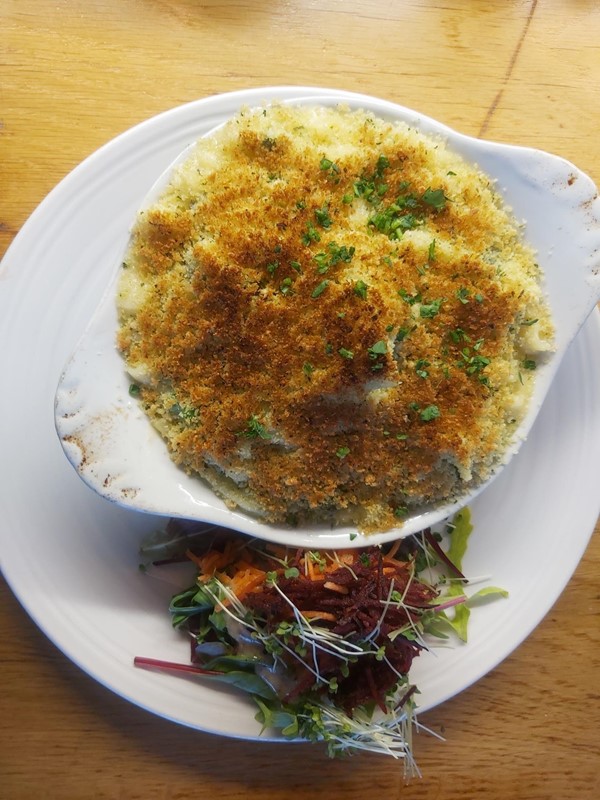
(330, 316)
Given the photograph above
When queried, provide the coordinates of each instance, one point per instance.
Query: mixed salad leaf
(322, 641)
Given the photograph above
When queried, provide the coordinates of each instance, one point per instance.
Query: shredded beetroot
(359, 613)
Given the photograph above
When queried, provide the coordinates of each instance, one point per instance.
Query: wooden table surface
(77, 72)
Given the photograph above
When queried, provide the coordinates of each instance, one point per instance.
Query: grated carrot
(335, 587)
(324, 615)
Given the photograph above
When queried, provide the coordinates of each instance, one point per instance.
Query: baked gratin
(331, 317)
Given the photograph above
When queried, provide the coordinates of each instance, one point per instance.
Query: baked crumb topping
(328, 316)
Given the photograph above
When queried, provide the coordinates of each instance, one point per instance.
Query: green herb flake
(429, 413)
(318, 290)
(431, 309)
(401, 512)
(308, 368)
(360, 289)
(431, 251)
(435, 198)
(411, 299)
(322, 216)
(458, 335)
(383, 163)
(420, 368)
(134, 390)
(254, 429)
(346, 353)
(340, 253)
(310, 235)
(529, 322)
(322, 262)
(342, 452)
(286, 286)
(463, 295)
(528, 363)
(380, 348)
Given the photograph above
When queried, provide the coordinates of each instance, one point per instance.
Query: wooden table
(76, 73)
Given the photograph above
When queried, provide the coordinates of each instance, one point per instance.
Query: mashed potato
(331, 317)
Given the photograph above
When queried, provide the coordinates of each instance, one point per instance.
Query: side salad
(322, 641)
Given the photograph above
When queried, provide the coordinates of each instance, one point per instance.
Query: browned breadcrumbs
(331, 317)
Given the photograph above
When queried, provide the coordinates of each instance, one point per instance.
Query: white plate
(71, 556)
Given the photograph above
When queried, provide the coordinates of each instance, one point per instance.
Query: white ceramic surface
(71, 557)
(108, 438)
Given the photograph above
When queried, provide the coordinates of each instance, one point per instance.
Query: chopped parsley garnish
(431, 309)
(382, 164)
(254, 429)
(431, 251)
(400, 511)
(529, 363)
(458, 335)
(182, 412)
(308, 368)
(421, 368)
(360, 288)
(272, 267)
(473, 362)
(310, 235)
(406, 212)
(322, 262)
(337, 253)
(371, 187)
(392, 223)
(378, 349)
(411, 299)
(463, 295)
(296, 266)
(342, 452)
(345, 353)
(134, 390)
(340, 253)
(435, 198)
(529, 321)
(322, 216)
(402, 334)
(286, 286)
(429, 413)
(331, 167)
(318, 290)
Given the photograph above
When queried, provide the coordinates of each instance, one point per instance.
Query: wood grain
(75, 73)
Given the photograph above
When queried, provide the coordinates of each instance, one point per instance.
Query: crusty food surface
(331, 317)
